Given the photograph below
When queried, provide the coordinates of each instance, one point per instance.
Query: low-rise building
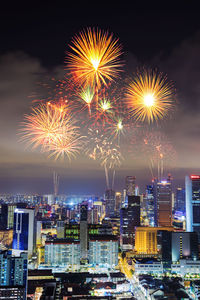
(149, 268)
(185, 267)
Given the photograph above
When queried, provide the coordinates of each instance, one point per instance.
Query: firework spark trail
(100, 148)
(52, 128)
(95, 58)
(150, 96)
(87, 95)
(158, 149)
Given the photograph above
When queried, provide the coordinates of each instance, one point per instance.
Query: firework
(150, 96)
(159, 151)
(95, 57)
(102, 149)
(87, 95)
(51, 128)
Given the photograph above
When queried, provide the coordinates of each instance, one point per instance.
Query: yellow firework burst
(52, 128)
(95, 57)
(150, 96)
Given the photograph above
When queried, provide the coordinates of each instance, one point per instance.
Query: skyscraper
(24, 231)
(118, 201)
(110, 202)
(149, 204)
(13, 270)
(192, 194)
(83, 233)
(162, 203)
(180, 200)
(130, 185)
(7, 215)
(129, 219)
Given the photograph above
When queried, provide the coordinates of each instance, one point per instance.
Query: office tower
(124, 198)
(184, 245)
(146, 240)
(180, 200)
(24, 233)
(83, 233)
(93, 217)
(179, 245)
(162, 203)
(7, 215)
(130, 185)
(38, 233)
(13, 293)
(60, 229)
(118, 201)
(13, 270)
(103, 250)
(149, 204)
(129, 219)
(110, 202)
(192, 194)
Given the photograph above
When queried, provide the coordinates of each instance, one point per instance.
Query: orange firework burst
(95, 57)
(52, 128)
(150, 96)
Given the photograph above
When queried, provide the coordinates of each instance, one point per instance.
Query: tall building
(180, 200)
(118, 201)
(83, 233)
(162, 203)
(192, 194)
(179, 245)
(60, 229)
(129, 219)
(13, 270)
(130, 185)
(24, 231)
(149, 204)
(110, 202)
(7, 215)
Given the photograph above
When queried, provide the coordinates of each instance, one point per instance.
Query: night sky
(33, 47)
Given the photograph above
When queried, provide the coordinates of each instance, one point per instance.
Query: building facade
(129, 219)
(192, 194)
(24, 231)
(103, 251)
(162, 203)
(62, 253)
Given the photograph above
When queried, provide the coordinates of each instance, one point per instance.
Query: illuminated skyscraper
(118, 201)
(129, 219)
(130, 185)
(192, 193)
(83, 233)
(180, 200)
(7, 215)
(149, 204)
(110, 202)
(24, 231)
(13, 270)
(163, 203)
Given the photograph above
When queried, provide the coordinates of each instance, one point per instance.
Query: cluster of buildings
(48, 237)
